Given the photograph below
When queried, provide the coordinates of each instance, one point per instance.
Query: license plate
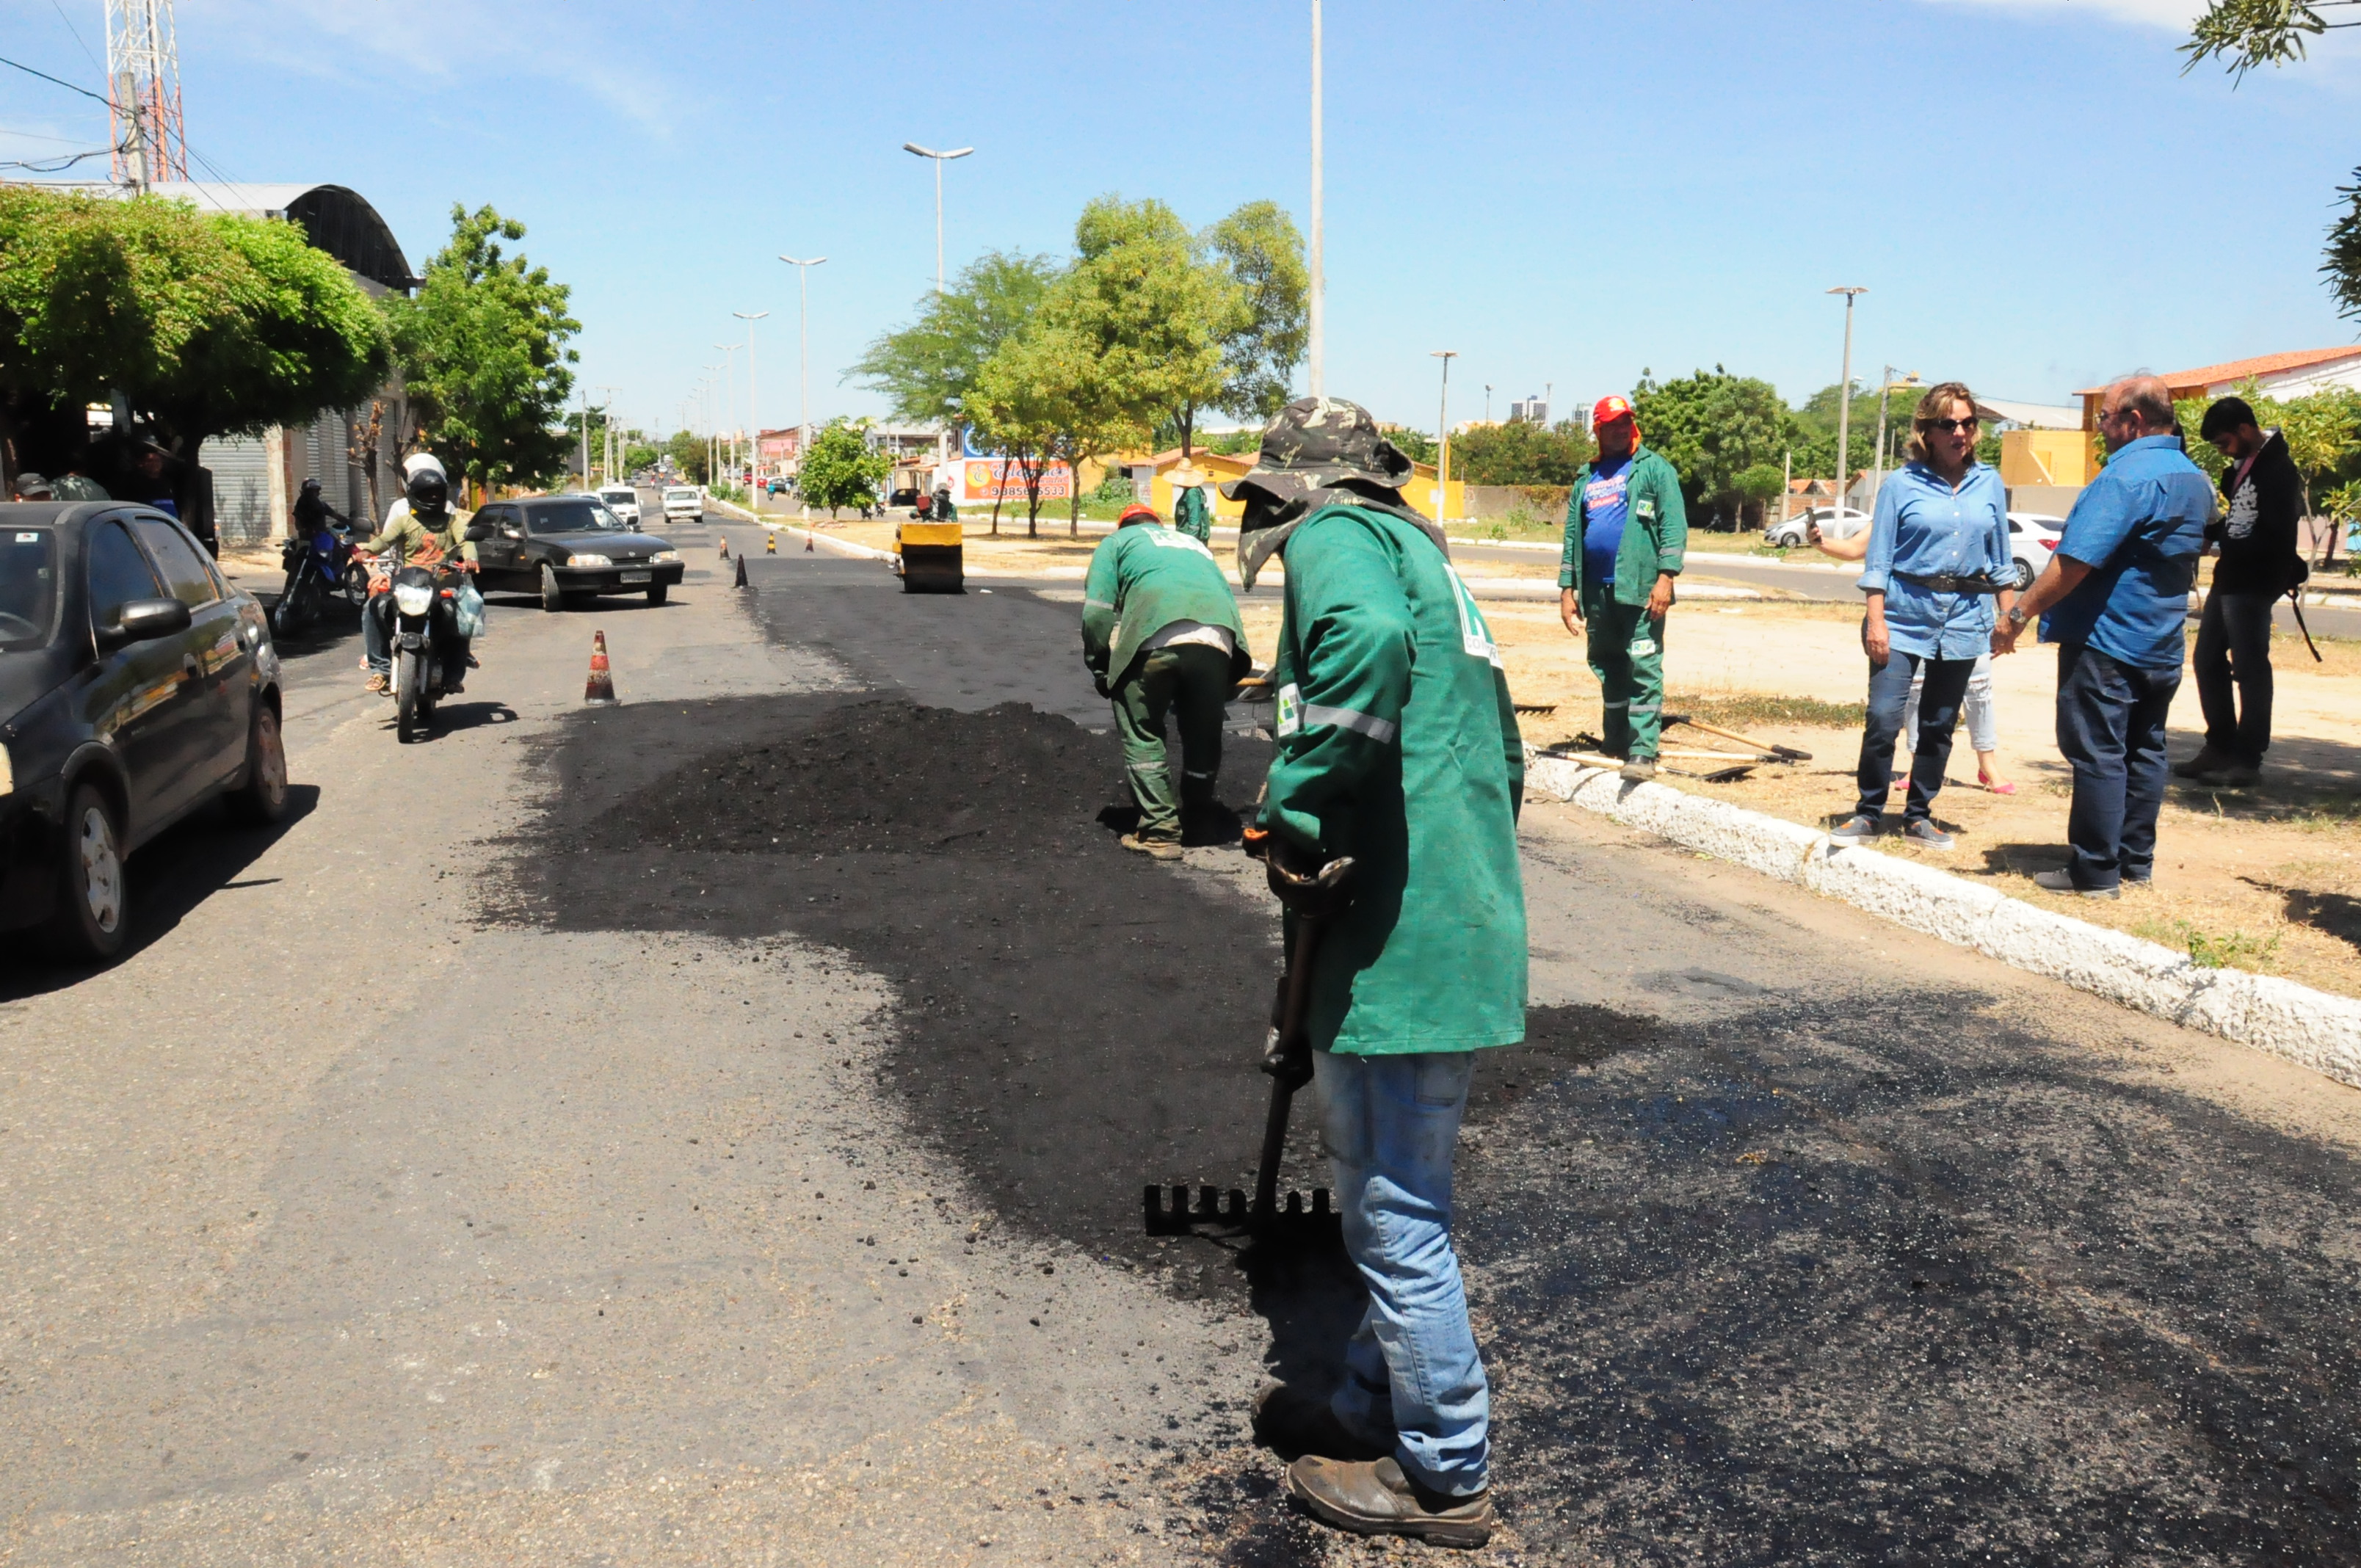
(637, 576)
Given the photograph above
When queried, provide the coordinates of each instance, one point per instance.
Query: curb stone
(2311, 1029)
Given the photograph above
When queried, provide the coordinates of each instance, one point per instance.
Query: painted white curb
(2307, 1026)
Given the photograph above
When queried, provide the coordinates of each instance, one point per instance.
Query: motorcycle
(317, 568)
(426, 668)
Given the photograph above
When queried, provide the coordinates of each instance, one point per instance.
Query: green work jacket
(1655, 531)
(1192, 516)
(1397, 745)
(1143, 578)
(409, 533)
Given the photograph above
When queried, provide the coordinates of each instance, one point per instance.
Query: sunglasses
(1956, 426)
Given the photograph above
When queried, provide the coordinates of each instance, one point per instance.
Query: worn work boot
(1374, 1497)
(1639, 770)
(1292, 1422)
(1154, 849)
(2206, 760)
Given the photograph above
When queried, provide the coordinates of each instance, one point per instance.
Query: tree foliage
(841, 469)
(1260, 251)
(927, 369)
(1157, 315)
(1714, 426)
(1415, 445)
(2243, 34)
(483, 354)
(688, 453)
(2343, 263)
(1520, 452)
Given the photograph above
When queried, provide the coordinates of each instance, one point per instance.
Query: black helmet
(428, 490)
(311, 486)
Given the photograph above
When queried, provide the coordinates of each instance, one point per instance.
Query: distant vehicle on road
(684, 503)
(904, 498)
(777, 487)
(1792, 532)
(569, 548)
(135, 685)
(624, 502)
(2032, 538)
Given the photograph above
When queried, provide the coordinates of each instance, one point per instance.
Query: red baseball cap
(1137, 510)
(1607, 410)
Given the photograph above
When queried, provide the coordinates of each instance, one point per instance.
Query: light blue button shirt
(1927, 528)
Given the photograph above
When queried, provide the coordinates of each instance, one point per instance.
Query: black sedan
(568, 549)
(135, 685)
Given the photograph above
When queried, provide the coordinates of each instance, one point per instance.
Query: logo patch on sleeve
(1290, 711)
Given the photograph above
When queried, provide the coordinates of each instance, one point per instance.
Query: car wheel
(2024, 574)
(263, 797)
(657, 593)
(552, 597)
(93, 904)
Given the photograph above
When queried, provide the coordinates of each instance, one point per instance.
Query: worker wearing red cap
(1626, 532)
(1162, 640)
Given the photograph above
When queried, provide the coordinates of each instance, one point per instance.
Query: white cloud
(2173, 15)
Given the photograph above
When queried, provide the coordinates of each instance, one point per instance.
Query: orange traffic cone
(599, 690)
(725, 549)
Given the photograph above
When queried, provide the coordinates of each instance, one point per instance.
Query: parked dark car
(568, 549)
(135, 685)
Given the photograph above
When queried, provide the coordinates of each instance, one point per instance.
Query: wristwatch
(2016, 617)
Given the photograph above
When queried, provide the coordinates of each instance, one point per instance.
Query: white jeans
(1984, 729)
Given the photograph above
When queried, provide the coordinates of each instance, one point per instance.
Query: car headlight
(588, 561)
(666, 558)
(412, 599)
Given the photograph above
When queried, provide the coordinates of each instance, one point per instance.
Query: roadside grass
(2206, 949)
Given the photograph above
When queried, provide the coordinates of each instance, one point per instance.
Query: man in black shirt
(2259, 561)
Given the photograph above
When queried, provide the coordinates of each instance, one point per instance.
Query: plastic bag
(467, 612)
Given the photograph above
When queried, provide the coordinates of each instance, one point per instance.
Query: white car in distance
(624, 502)
(2032, 538)
(1795, 531)
(684, 503)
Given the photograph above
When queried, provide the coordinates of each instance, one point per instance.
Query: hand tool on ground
(1785, 753)
(2295, 603)
(1601, 760)
(1539, 709)
(1286, 1057)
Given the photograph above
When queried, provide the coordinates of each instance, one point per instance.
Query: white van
(684, 502)
(624, 502)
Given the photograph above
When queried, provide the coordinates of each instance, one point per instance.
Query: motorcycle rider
(428, 532)
(312, 511)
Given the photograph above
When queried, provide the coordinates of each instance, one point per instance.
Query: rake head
(1169, 1212)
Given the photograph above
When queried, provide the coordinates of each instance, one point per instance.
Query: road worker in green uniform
(1161, 636)
(1190, 515)
(1397, 746)
(1626, 532)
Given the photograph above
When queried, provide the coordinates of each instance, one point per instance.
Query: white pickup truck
(684, 502)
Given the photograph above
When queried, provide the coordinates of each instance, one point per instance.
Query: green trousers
(1627, 655)
(1190, 683)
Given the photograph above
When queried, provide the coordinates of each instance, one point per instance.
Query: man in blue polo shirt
(2114, 601)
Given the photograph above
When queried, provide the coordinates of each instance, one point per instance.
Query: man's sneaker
(1374, 1497)
(2231, 775)
(1859, 829)
(2063, 881)
(379, 682)
(1154, 849)
(2206, 760)
(1291, 1422)
(1926, 836)
(1639, 770)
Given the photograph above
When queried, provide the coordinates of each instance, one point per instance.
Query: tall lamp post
(607, 445)
(940, 158)
(1844, 402)
(730, 400)
(803, 267)
(1885, 384)
(1318, 368)
(753, 417)
(1442, 429)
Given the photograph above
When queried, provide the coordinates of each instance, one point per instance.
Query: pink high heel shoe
(2003, 787)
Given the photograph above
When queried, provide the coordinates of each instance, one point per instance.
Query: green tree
(688, 453)
(483, 354)
(1415, 445)
(841, 469)
(927, 369)
(1713, 427)
(1520, 452)
(1158, 315)
(1016, 406)
(2343, 263)
(1261, 252)
(207, 323)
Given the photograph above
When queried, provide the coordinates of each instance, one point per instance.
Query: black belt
(1954, 582)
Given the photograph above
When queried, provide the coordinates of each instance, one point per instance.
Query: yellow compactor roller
(929, 557)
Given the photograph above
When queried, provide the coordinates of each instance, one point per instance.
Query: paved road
(513, 1158)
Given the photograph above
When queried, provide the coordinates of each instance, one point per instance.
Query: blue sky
(1563, 193)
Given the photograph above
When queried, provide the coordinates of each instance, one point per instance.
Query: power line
(61, 10)
(60, 81)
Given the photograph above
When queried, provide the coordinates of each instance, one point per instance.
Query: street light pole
(607, 445)
(1885, 383)
(802, 352)
(1844, 401)
(940, 158)
(730, 400)
(1319, 348)
(1442, 430)
(753, 414)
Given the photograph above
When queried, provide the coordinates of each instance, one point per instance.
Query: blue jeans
(1939, 715)
(1389, 1126)
(2111, 728)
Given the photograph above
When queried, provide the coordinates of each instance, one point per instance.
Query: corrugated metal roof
(2236, 370)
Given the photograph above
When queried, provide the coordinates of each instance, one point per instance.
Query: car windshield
(29, 587)
(619, 497)
(680, 494)
(572, 516)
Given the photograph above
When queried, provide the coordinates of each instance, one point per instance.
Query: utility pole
(1487, 402)
(585, 438)
(1884, 384)
(730, 402)
(1319, 350)
(1442, 430)
(1844, 401)
(753, 416)
(803, 354)
(608, 445)
(940, 158)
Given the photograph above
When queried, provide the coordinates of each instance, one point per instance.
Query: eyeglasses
(1956, 426)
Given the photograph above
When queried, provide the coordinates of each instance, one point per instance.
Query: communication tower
(143, 93)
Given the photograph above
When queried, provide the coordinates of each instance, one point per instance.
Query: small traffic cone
(725, 549)
(771, 543)
(599, 690)
(808, 542)
(741, 573)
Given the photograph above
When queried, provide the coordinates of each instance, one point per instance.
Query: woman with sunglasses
(1939, 557)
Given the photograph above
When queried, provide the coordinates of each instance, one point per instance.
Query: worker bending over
(1397, 747)
(1161, 636)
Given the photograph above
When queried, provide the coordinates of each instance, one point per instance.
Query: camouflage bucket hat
(1316, 443)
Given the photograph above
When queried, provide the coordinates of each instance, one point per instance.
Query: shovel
(1785, 753)
(1286, 1057)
